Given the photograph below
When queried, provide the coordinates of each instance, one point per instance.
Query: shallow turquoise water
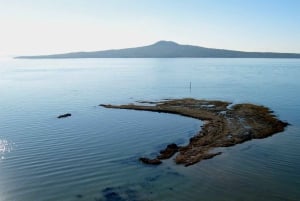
(93, 155)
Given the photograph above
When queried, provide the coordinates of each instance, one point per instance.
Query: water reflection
(5, 147)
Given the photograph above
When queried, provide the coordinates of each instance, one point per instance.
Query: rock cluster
(225, 125)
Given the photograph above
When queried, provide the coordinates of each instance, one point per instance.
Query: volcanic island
(225, 124)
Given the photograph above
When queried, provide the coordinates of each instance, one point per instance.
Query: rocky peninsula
(225, 125)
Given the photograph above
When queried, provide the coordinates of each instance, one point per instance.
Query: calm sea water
(93, 154)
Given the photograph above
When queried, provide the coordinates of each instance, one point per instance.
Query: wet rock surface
(168, 152)
(225, 125)
(64, 115)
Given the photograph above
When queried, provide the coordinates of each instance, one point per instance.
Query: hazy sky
(55, 26)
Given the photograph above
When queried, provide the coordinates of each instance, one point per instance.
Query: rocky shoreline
(225, 125)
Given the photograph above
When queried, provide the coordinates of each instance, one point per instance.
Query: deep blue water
(93, 154)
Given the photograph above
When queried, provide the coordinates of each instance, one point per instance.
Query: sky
(30, 27)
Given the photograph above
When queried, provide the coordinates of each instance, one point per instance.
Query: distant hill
(166, 49)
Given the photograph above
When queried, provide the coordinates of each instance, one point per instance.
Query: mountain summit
(166, 49)
(165, 43)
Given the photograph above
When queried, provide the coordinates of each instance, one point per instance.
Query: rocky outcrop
(64, 115)
(225, 125)
(168, 152)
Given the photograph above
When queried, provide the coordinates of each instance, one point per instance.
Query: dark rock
(64, 115)
(245, 137)
(172, 146)
(170, 150)
(150, 161)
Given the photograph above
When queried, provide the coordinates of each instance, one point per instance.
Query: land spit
(224, 125)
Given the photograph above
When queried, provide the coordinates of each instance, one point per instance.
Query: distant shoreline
(166, 49)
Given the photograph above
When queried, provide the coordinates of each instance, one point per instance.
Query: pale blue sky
(55, 26)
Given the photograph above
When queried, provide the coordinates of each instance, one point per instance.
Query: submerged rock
(79, 196)
(120, 193)
(150, 161)
(64, 115)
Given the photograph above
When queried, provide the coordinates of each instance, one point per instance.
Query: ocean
(93, 155)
